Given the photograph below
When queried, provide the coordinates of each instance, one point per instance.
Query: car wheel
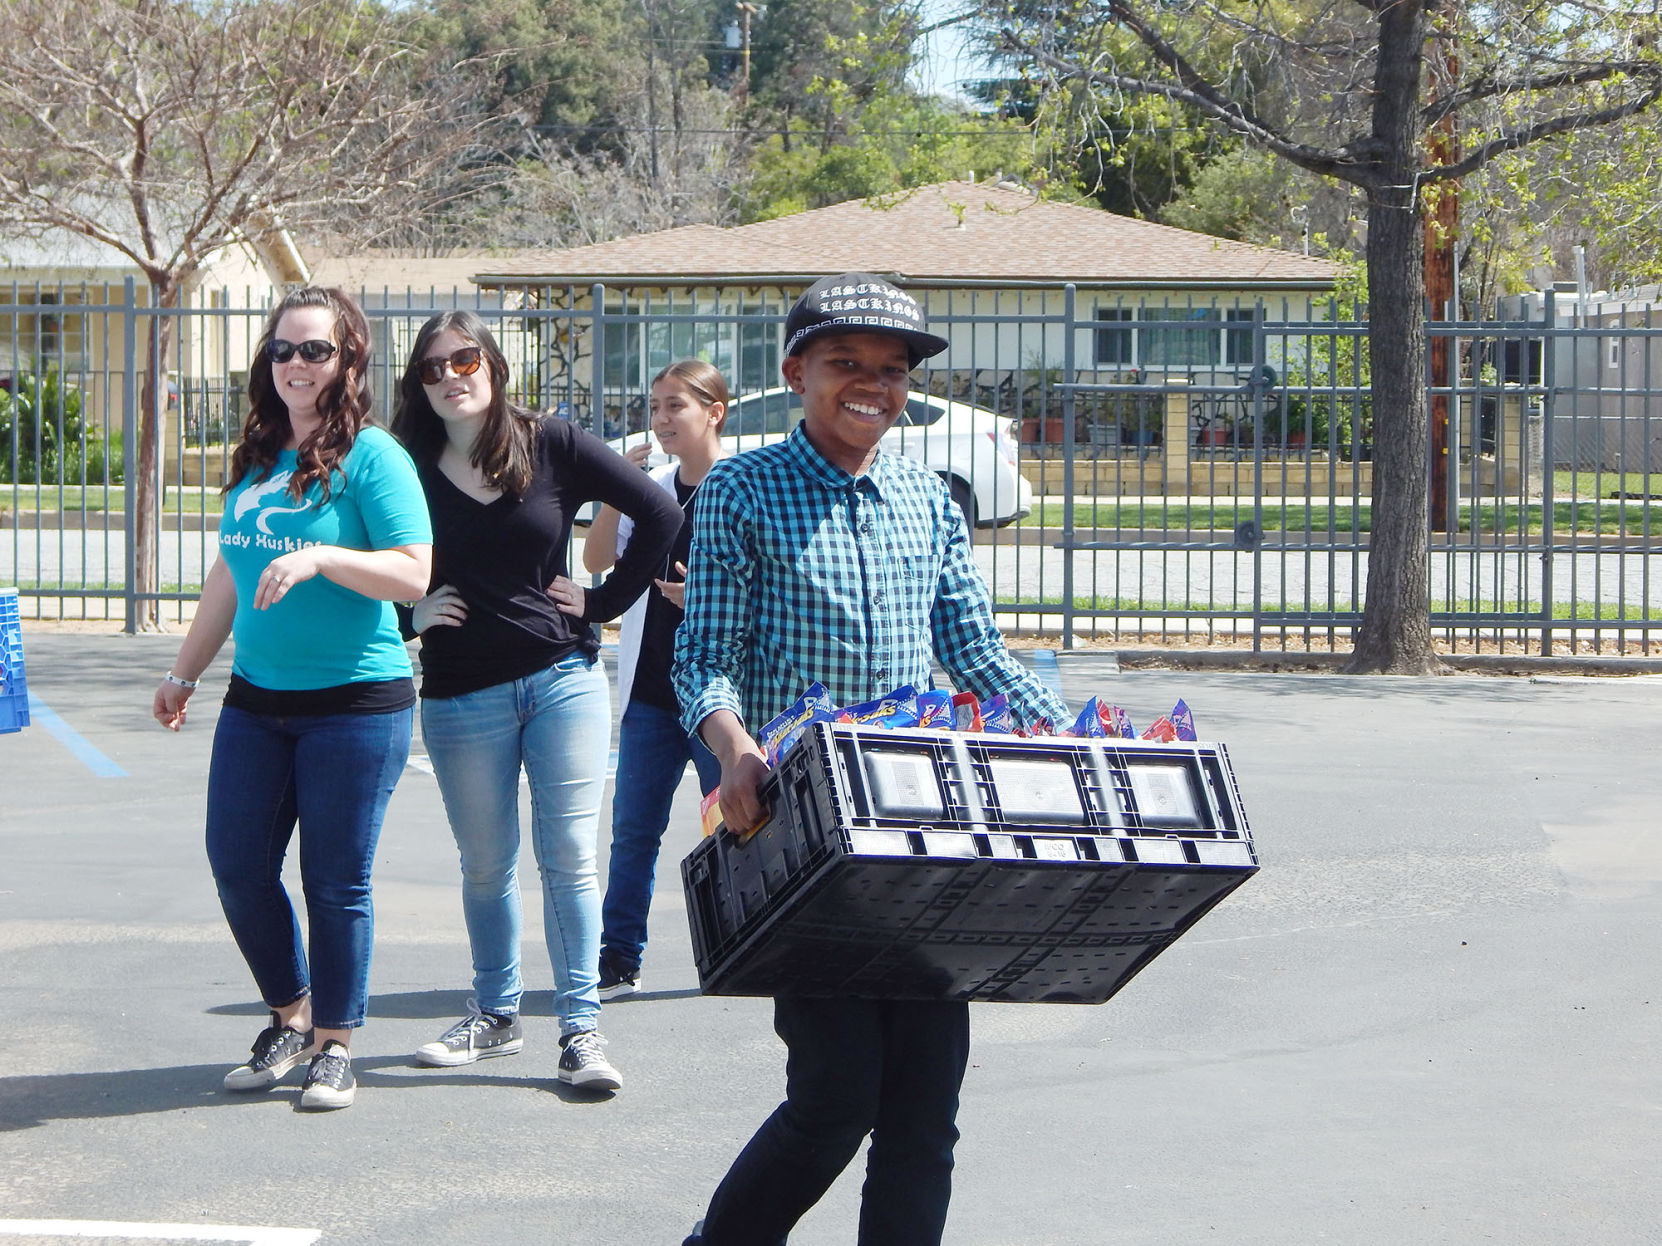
(963, 497)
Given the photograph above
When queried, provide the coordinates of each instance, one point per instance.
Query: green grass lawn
(1525, 612)
(98, 499)
(1604, 518)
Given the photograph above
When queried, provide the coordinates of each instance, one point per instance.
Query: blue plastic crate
(14, 688)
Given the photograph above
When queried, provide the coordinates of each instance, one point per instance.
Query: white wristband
(173, 679)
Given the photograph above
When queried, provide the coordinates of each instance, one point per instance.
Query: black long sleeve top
(502, 555)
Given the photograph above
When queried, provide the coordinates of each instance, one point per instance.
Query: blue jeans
(557, 725)
(652, 754)
(890, 1068)
(333, 773)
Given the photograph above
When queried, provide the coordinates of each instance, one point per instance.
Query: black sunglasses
(314, 351)
(464, 362)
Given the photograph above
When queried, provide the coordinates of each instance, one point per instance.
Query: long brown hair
(344, 404)
(504, 449)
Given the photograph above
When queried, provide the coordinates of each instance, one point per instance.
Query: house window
(51, 339)
(1237, 341)
(1173, 343)
(1114, 346)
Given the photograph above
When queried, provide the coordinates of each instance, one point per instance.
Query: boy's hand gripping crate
(915, 864)
(14, 689)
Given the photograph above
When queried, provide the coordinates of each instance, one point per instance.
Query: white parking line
(253, 1235)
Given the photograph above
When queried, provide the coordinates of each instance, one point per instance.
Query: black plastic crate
(937, 865)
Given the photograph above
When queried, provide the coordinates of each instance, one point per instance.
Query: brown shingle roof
(952, 232)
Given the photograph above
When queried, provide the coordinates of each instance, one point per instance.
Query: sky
(946, 60)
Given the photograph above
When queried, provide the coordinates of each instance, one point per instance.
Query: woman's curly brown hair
(344, 404)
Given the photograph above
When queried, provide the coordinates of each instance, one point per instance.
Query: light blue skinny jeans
(557, 725)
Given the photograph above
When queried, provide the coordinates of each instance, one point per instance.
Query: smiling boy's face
(853, 388)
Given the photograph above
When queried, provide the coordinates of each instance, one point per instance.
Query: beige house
(992, 262)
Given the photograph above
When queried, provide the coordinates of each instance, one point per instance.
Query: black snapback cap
(860, 302)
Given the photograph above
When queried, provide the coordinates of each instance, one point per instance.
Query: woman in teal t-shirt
(324, 528)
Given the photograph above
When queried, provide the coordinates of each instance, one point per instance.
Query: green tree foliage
(815, 64)
(898, 141)
(561, 65)
(835, 118)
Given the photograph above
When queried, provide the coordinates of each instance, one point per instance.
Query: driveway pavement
(1435, 1016)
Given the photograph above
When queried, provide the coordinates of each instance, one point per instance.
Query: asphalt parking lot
(1434, 1016)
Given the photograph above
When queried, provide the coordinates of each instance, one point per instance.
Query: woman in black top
(509, 673)
(689, 409)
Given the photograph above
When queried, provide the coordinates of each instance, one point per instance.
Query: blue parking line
(42, 715)
(1050, 675)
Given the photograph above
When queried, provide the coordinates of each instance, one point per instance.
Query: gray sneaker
(475, 1036)
(583, 1064)
(277, 1050)
(616, 978)
(329, 1080)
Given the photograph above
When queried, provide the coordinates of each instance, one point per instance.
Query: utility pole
(747, 10)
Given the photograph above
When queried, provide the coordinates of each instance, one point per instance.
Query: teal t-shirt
(321, 635)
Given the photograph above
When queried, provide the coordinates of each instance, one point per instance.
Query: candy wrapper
(1100, 719)
(1161, 730)
(996, 716)
(1168, 728)
(812, 706)
(898, 709)
(966, 712)
(935, 710)
(709, 812)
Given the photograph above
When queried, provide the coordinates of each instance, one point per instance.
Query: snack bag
(898, 709)
(966, 712)
(1101, 720)
(1161, 729)
(783, 731)
(996, 716)
(1183, 721)
(935, 710)
(709, 812)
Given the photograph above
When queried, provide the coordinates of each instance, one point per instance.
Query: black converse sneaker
(277, 1050)
(475, 1036)
(583, 1064)
(329, 1080)
(617, 979)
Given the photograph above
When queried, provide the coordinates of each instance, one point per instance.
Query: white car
(972, 449)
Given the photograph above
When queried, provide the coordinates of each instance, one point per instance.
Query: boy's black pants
(890, 1068)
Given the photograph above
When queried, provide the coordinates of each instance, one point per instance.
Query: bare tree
(1349, 89)
(170, 131)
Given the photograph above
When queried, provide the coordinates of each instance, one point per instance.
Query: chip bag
(898, 709)
(935, 710)
(784, 730)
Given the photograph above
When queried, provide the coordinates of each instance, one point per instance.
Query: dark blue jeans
(333, 774)
(653, 749)
(890, 1068)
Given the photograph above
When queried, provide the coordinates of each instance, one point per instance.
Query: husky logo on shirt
(256, 497)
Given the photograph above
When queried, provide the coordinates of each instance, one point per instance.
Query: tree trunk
(146, 495)
(1395, 635)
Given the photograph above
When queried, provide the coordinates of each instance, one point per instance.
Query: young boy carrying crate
(821, 558)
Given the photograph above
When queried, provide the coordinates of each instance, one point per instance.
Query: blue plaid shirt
(801, 572)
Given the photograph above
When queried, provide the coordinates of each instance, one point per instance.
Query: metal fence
(1196, 471)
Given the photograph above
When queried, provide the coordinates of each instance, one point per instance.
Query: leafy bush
(43, 436)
